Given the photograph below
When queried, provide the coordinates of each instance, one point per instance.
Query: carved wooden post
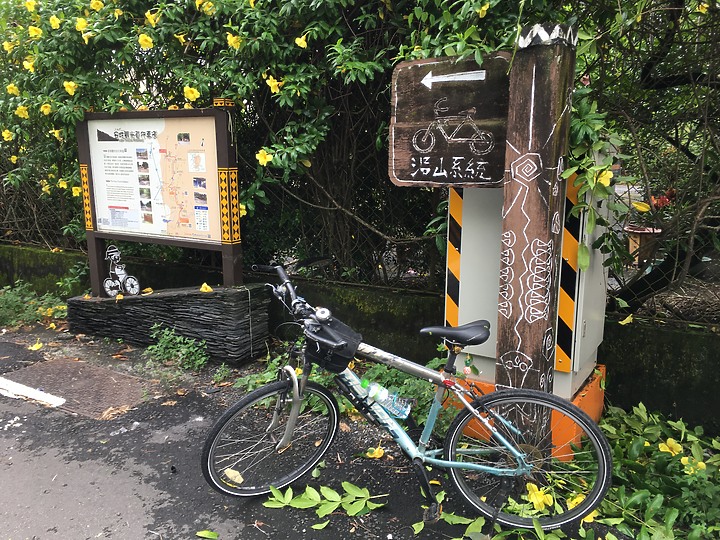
(541, 82)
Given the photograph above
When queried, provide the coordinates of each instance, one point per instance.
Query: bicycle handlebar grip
(264, 268)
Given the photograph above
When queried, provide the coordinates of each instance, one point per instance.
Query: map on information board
(156, 177)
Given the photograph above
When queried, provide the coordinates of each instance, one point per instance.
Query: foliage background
(311, 80)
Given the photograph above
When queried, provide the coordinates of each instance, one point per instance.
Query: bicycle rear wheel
(570, 458)
(241, 457)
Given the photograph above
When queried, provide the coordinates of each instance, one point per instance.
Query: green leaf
(583, 257)
(320, 526)
(452, 519)
(303, 502)
(207, 534)
(327, 508)
(272, 503)
(354, 490)
(418, 527)
(312, 493)
(330, 494)
(354, 508)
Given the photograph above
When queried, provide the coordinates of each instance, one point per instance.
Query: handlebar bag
(333, 360)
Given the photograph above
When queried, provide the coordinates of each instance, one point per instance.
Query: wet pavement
(136, 475)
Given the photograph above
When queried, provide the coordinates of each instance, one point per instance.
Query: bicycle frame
(351, 383)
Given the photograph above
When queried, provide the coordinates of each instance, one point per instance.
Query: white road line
(16, 390)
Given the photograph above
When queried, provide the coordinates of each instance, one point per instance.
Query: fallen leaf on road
(344, 427)
(208, 534)
(119, 356)
(169, 403)
(112, 412)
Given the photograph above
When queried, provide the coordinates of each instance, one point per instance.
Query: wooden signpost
(448, 122)
(541, 82)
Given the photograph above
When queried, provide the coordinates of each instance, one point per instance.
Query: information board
(448, 122)
(156, 177)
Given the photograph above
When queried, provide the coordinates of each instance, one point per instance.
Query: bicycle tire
(423, 141)
(573, 470)
(240, 457)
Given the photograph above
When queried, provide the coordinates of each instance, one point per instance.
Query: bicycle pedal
(431, 515)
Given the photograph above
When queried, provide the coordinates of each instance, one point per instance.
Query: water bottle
(395, 405)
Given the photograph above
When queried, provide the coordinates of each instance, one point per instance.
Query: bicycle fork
(294, 412)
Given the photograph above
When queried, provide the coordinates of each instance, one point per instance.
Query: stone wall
(232, 321)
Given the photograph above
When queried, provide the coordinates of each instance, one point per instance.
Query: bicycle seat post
(453, 350)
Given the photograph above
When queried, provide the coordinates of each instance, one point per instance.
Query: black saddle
(473, 333)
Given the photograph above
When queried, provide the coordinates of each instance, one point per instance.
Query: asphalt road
(137, 476)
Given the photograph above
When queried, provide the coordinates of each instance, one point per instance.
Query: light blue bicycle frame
(421, 451)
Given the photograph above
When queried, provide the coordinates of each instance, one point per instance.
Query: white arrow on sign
(429, 80)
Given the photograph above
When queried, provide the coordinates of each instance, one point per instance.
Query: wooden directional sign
(449, 122)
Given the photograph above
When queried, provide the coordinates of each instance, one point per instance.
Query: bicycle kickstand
(432, 513)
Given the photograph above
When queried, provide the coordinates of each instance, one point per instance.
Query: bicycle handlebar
(301, 310)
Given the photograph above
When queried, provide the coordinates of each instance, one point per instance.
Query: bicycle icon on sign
(481, 142)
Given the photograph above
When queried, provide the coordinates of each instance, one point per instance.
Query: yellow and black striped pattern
(85, 181)
(452, 291)
(229, 206)
(568, 283)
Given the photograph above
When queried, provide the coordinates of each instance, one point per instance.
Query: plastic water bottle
(392, 403)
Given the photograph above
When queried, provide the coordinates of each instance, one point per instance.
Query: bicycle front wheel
(570, 459)
(242, 457)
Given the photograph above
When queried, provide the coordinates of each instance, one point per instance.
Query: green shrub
(175, 350)
(20, 305)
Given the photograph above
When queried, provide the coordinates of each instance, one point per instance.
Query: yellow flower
(145, 41)
(538, 497)
(118, 297)
(76, 191)
(188, 106)
(52, 326)
(30, 5)
(86, 37)
(641, 207)
(298, 371)
(671, 446)
(8, 46)
(80, 24)
(252, 4)
(263, 157)
(274, 84)
(29, 64)
(22, 112)
(375, 453)
(483, 10)
(96, 5)
(62, 184)
(702, 8)
(572, 503)
(147, 291)
(46, 108)
(180, 38)
(205, 288)
(198, 3)
(173, 108)
(13, 159)
(70, 87)
(152, 18)
(13, 89)
(46, 189)
(208, 8)
(191, 94)
(56, 133)
(604, 178)
(301, 41)
(243, 210)
(37, 345)
(8, 135)
(626, 320)
(34, 32)
(233, 41)
(54, 22)
(117, 13)
(692, 466)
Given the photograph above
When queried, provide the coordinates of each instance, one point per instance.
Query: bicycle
(465, 131)
(513, 455)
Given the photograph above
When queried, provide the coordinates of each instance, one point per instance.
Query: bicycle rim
(570, 458)
(241, 455)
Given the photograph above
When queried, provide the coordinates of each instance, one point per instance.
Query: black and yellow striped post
(452, 288)
(568, 283)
